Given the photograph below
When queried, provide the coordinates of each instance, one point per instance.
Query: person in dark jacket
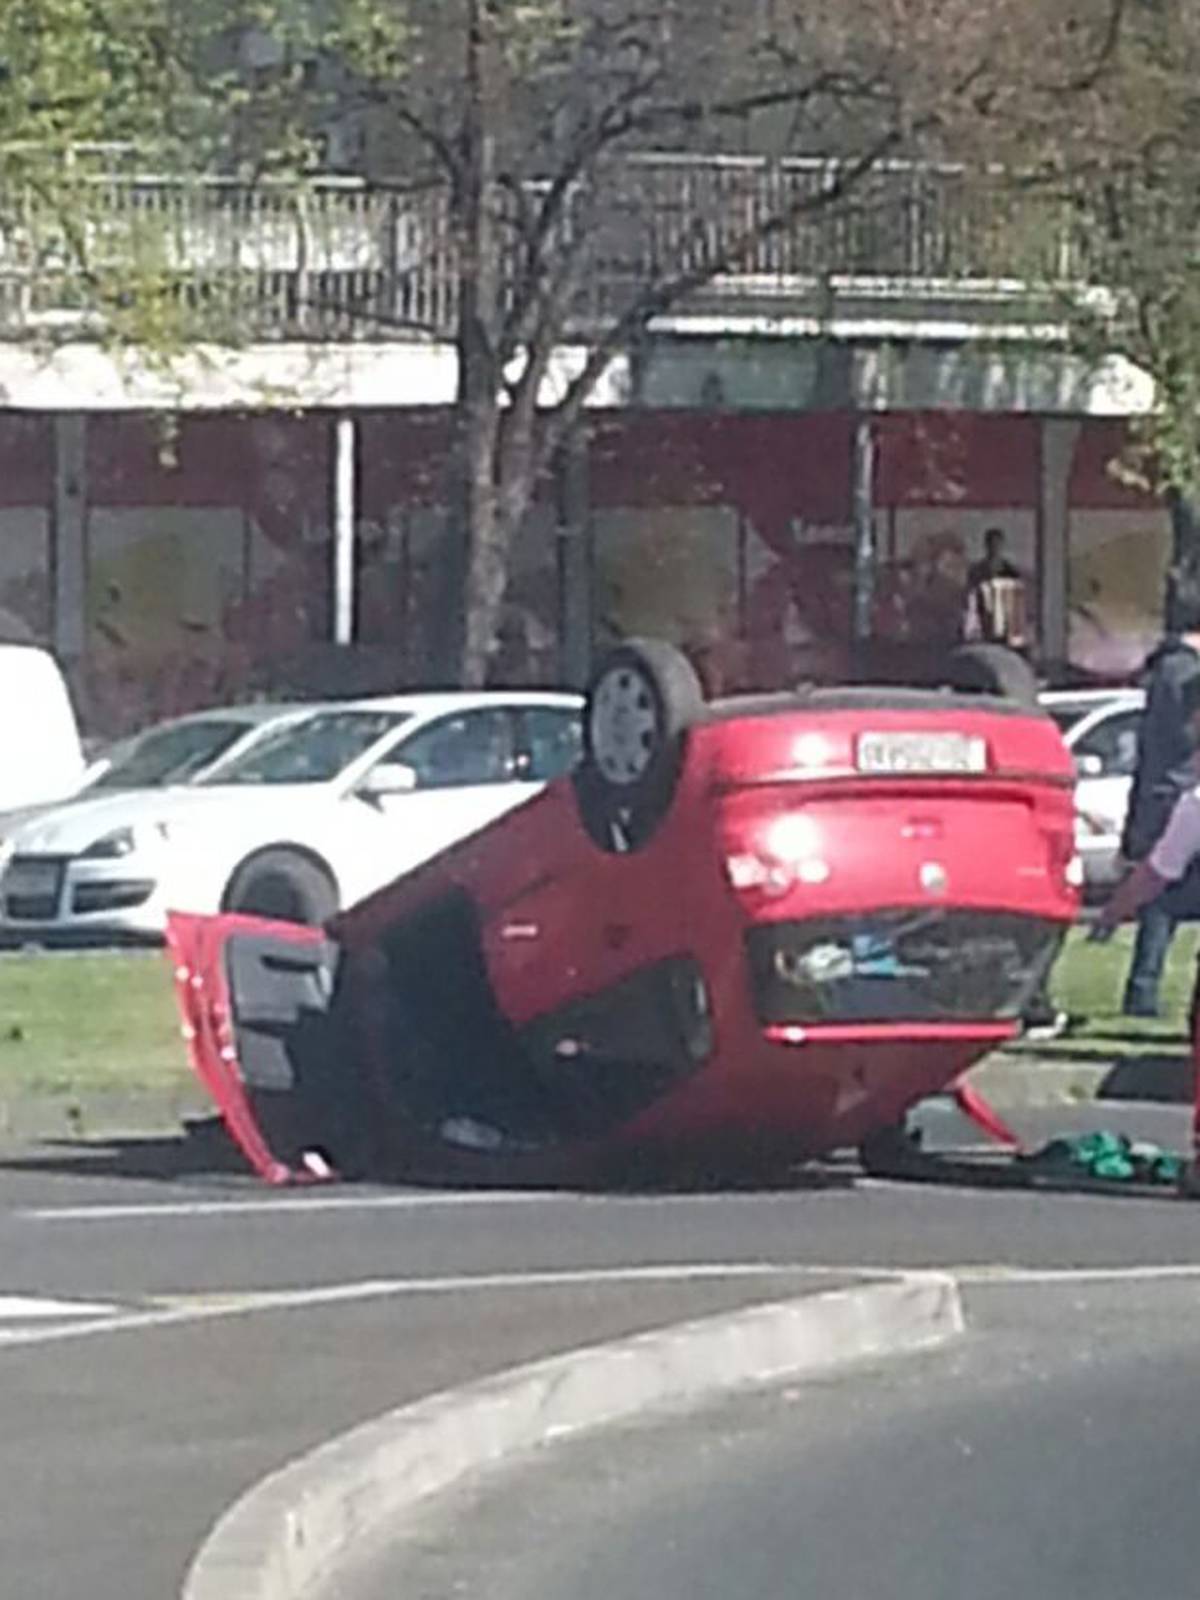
(1165, 770)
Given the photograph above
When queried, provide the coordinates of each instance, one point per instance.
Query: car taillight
(781, 853)
(1066, 867)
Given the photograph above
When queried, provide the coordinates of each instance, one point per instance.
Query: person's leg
(1155, 930)
(1041, 1018)
(1189, 1183)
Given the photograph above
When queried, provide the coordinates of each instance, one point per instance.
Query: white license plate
(38, 879)
(900, 753)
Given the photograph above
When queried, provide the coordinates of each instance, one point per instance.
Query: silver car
(1100, 727)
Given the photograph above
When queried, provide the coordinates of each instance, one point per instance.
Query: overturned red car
(740, 934)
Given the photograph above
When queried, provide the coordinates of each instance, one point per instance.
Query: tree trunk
(498, 515)
(1185, 526)
(472, 574)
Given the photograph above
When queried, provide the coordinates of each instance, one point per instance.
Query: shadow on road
(1160, 1079)
(204, 1153)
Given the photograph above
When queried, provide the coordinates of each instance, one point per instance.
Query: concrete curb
(298, 1524)
(1011, 1083)
(96, 1116)
(1008, 1082)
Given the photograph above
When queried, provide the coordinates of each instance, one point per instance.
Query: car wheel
(993, 669)
(284, 886)
(643, 699)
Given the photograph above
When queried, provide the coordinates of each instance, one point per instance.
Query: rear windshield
(901, 966)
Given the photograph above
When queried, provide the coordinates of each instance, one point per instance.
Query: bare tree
(553, 137)
(534, 119)
(1120, 154)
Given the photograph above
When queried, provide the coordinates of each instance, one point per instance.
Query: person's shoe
(1041, 1026)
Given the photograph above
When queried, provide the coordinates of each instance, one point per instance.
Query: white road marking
(424, 1200)
(305, 1204)
(178, 1310)
(173, 1311)
(30, 1308)
(1002, 1276)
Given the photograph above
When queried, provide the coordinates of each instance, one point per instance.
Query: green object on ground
(1108, 1156)
(88, 1023)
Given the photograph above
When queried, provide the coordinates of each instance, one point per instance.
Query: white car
(179, 751)
(1100, 728)
(317, 813)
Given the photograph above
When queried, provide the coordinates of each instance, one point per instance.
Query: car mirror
(1089, 766)
(386, 781)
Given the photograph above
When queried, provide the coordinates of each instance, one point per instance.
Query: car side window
(1114, 743)
(553, 742)
(469, 748)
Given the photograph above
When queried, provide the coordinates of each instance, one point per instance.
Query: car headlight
(125, 841)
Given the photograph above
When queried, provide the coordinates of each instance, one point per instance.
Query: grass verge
(104, 1022)
(1088, 983)
(90, 1023)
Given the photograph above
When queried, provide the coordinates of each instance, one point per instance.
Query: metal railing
(332, 259)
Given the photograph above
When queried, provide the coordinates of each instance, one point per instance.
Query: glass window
(1065, 718)
(472, 747)
(170, 755)
(554, 741)
(914, 966)
(1114, 743)
(316, 750)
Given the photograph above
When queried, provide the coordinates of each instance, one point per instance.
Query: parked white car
(1100, 728)
(184, 749)
(181, 750)
(314, 815)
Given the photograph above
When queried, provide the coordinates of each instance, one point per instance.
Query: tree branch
(658, 297)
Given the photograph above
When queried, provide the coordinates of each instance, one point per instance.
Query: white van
(41, 758)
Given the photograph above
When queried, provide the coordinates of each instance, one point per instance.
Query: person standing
(996, 599)
(1164, 772)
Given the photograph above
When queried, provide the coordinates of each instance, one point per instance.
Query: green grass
(1088, 982)
(91, 1023)
(105, 1022)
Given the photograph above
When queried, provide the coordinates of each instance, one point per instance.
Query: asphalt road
(169, 1332)
(1052, 1454)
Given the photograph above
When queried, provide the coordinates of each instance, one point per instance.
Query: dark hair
(993, 536)
(1183, 598)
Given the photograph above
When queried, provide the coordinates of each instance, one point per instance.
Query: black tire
(284, 886)
(643, 698)
(993, 669)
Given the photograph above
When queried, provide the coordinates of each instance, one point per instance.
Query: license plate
(32, 879)
(899, 753)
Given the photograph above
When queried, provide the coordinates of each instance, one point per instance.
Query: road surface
(169, 1332)
(1051, 1454)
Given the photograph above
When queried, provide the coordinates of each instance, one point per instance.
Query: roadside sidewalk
(1012, 1079)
